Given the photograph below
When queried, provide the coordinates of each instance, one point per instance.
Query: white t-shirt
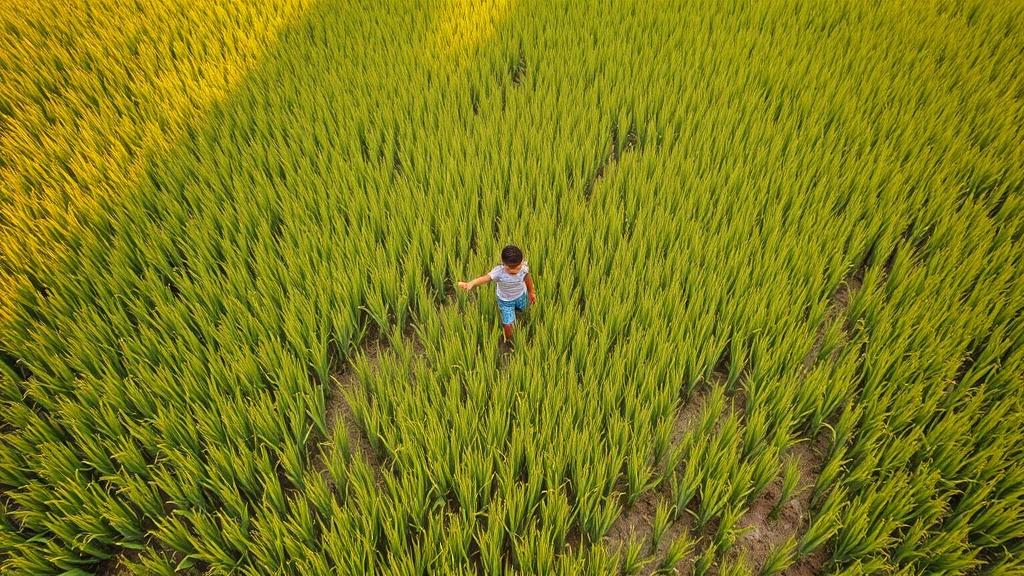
(507, 286)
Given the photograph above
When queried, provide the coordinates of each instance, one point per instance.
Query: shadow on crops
(209, 174)
(283, 122)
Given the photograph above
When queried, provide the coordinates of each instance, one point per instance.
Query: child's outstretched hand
(467, 286)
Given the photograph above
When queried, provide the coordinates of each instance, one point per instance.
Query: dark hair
(511, 255)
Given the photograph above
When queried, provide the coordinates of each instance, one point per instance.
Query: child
(514, 286)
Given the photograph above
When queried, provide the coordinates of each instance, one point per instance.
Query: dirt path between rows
(761, 534)
(339, 415)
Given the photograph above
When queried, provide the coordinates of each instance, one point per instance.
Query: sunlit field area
(778, 250)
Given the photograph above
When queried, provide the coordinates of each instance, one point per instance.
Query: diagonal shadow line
(183, 157)
(164, 166)
(277, 69)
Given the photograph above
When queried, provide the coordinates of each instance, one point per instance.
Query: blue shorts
(508, 309)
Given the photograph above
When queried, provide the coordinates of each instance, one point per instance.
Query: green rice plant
(659, 524)
(686, 484)
(780, 558)
(790, 481)
(742, 484)
(534, 554)
(830, 471)
(596, 513)
(319, 493)
(674, 457)
(557, 515)
(599, 561)
(633, 558)
(763, 471)
(681, 547)
(150, 561)
(458, 540)
(737, 361)
(141, 494)
(293, 461)
(941, 548)
(492, 541)
(661, 440)
(714, 498)
(210, 544)
(728, 530)
(867, 566)
(471, 481)
(519, 508)
(705, 561)
(825, 524)
(842, 430)
(640, 477)
(754, 430)
(737, 567)
(841, 382)
(1005, 563)
(713, 408)
(869, 521)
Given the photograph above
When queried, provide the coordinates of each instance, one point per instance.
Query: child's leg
(521, 304)
(508, 316)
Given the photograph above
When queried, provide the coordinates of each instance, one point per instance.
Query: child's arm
(529, 288)
(467, 286)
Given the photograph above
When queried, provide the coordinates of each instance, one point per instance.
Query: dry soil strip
(636, 522)
(338, 410)
(764, 534)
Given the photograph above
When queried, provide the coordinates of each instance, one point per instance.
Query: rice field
(777, 249)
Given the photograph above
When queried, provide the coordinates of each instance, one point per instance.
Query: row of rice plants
(680, 201)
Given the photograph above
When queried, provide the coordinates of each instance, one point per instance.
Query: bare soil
(338, 412)
(637, 520)
(764, 534)
(636, 523)
(761, 534)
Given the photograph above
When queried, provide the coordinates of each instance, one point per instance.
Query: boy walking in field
(514, 286)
